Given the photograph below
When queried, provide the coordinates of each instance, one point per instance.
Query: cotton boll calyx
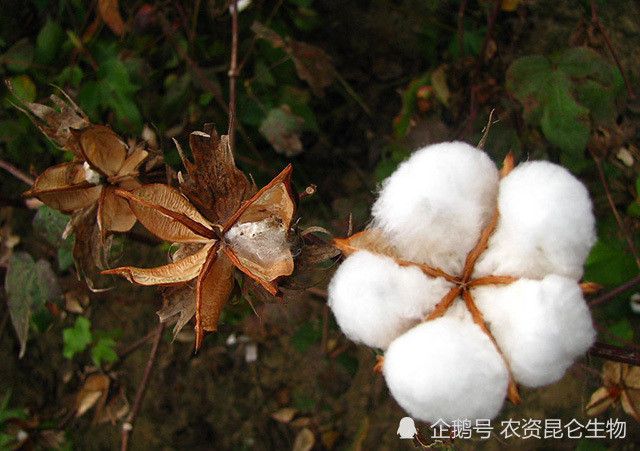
(546, 225)
(446, 369)
(540, 326)
(435, 204)
(375, 300)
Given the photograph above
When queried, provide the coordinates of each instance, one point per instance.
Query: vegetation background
(344, 91)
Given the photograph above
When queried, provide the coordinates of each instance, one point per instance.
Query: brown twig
(17, 173)
(615, 353)
(233, 74)
(596, 21)
(612, 205)
(127, 426)
(463, 6)
(615, 292)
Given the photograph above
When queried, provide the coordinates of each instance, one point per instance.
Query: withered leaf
(313, 64)
(282, 129)
(110, 13)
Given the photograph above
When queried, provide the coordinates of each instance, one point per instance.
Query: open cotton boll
(446, 368)
(374, 299)
(540, 326)
(435, 204)
(546, 225)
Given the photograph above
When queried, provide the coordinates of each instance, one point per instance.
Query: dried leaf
(285, 415)
(90, 251)
(110, 13)
(599, 402)
(266, 33)
(145, 201)
(178, 301)
(304, 440)
(282, 129)
(215, 284)
(95, 388)
(178, 272)
(214, 184)
(313, 65)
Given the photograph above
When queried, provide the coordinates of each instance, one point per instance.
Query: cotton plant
(468, 279)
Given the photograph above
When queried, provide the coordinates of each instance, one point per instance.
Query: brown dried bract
(621, 381)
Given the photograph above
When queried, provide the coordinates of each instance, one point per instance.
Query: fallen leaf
(304, 440)
(285, 415)
(282, 129)
(110, 12)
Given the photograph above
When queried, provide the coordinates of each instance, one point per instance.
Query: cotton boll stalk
(446, 369)
(546, 225)
(540, 326)
(435, 204)
(374, 299)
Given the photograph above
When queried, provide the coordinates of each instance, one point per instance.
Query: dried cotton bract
(469, 279)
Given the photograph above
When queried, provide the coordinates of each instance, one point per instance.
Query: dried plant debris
(621, 382)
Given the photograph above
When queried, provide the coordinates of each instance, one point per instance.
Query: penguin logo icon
(407, 428)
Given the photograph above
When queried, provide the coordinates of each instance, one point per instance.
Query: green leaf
(303, 3)
(50, 224)
(29, 285)
(609, 265)
(305, 336)
(76, 338)
(622, 329)
(599, 100)
(282, 129)
(49, 42)
(585, 62)
(19, 56)
(24, 88)
(528, 75)
(104, 350)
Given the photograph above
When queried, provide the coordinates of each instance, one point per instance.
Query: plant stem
(615, 292)
(17, 173)
(596, 21)
(127, 426)
(615, 353)
(233, 74)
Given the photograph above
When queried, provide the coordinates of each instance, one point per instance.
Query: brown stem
(463, 6)
(614, 210)
(596, 21)
(17, 173)
(127, 426)
(615, 353)
(615, 292)
(233, 74)
(490, 24)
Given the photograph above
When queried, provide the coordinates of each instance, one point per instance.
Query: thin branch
(17, 173)
(596, 22)
(612, 205)
(615, 292)
(615, 353)
(127, 426)
(233, 74)
(463, 6)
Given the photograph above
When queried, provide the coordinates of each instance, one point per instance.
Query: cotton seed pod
(540, 326)
(546, 225)
(446, 369)
(375, 300)
(435, 204)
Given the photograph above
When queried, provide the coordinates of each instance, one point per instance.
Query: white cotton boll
(446, 369)
(375, 300)
(435, 204)
(540, 326)
(546, 225)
